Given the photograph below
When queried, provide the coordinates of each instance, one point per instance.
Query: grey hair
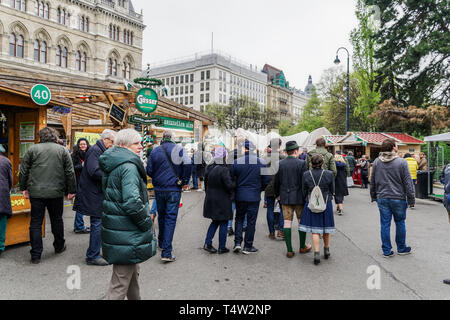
(127, 137)
(167, 135)
(108, 134)
(48, 135)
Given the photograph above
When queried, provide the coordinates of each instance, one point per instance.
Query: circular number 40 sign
(41, 94)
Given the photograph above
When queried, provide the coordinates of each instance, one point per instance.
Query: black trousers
(55, 209)
(365, 179)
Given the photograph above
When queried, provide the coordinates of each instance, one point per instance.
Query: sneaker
(447, 281)
(306, 249)
(97, 262)
(83, 231)
(199, 190)
(237, 249)
(390, 255)
(272, 236)
(222, 251)
(210, 248)
(249, 250)
(35, 261)
(405, 252)
(290, 254)
(168, 259)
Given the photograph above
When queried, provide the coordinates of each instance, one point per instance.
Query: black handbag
(179, 182)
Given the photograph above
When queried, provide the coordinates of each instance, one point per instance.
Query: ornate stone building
(96, 39)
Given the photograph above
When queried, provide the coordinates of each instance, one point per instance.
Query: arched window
(110, 31)
(114, 69)
(83, 62)
(58, 18)
(46, 11)
(19, 51)
(58, 56)
(63, 17)
(114, 33)
(78, 61)
(110, 67)
(43, 54)
(18, 4)
(124, 35)
(124, 70)
(118, 34)
(41, 9)
(86, 25)
(36, 50)
(64, 58)
(132, 36)
(128, 72)
(36, 7)
(12, 45)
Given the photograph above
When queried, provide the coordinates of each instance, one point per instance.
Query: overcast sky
(298, 36)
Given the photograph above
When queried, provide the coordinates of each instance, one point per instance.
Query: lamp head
(337, 61)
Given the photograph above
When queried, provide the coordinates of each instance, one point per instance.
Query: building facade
(208, 78)
(95, 39)
(299, 101)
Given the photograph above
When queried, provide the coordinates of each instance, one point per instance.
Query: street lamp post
(347, 109)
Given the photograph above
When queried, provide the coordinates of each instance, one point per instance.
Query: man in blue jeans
(170, 170)
(250, 182)
(392, 187)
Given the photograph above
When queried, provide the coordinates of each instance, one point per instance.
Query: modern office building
(96, 39)
(210, 77)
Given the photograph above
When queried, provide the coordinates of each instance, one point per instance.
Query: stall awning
(444, 137)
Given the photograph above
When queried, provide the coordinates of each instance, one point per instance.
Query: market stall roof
(404, 138)
(333, 139)
(5, 87)
(443, 137)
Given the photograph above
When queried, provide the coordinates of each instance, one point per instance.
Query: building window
(207, 74)
(207, 97)
(192, 100)
(36, 50)
(207, 86)
(186, 78)
(19, 5)
(220, 75)
(81, 61)
(177, 80)
(202, 108)
(220, 86)
(202, 75)
(110, 31)
(43, 52)
(132, 38)
(171, 81)
(16, 46)
(176, 91)
(192, 88)
(46, 11)
(171, 91)
(61, 57)
(181, 89)
(202, 86)
(202, 98)
(181, 79)
(192, 77)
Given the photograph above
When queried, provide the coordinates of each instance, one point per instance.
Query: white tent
(300, 138)
(444, 137)
(310, 143)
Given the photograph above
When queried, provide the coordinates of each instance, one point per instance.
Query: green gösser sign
(41, 94)
(146, 100)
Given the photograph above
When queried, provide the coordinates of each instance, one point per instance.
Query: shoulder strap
(321, 177)
(314, 181)
(170, 162)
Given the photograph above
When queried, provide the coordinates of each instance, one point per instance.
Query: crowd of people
(108, 182)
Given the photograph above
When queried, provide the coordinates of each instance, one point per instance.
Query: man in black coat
(6, 182)
(89, 199)
(288, 187)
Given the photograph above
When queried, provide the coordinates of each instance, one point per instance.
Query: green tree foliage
(364, 64)
(250, 115)
(413, 51)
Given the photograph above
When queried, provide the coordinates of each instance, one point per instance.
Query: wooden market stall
(22, 120)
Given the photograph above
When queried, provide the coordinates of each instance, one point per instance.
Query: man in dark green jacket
(127, 236)
(328, 158)
(46, 175)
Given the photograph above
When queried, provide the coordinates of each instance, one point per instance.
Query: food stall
(21, 119)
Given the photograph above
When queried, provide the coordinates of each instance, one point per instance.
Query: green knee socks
(302, 239)
(287, 239)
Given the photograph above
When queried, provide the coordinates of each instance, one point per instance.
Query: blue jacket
(163, 177)
(89, 199)
(250, 181)
(445, 180)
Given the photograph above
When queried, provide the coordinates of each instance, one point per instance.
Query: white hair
(127, 137)
(168, 135)
(108, 134)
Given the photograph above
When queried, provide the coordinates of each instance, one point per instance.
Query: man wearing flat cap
(288, 186)
(250, 182)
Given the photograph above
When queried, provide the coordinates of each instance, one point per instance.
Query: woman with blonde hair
(343, 170)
